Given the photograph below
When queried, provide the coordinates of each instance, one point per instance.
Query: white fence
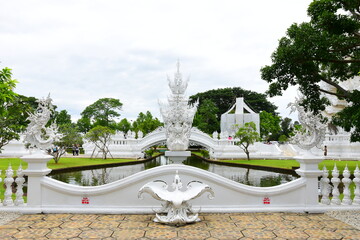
(302, 195)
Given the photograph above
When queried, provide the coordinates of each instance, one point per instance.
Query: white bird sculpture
(178, 210)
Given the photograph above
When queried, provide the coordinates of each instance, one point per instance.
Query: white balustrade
(0, 182)
(335, 180)
(8, 182)
(346, 181)
(20, 180)
(356, 180)
(325, 187)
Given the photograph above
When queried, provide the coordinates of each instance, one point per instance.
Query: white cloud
(81, 51)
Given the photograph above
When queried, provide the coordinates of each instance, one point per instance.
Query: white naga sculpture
(176, 207)
(177, 114)
(37, 134)
(312, 133)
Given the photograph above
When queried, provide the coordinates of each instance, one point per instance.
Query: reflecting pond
(106, 175)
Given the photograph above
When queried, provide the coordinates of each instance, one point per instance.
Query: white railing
(49, 195)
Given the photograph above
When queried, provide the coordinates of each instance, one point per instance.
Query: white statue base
(177, 157)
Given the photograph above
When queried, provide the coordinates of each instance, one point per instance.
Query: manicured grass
(289, 164)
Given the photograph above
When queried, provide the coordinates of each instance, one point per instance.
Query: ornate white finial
(37, 134)
(177, 114)
(313, 130)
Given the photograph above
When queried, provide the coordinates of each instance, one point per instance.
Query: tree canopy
(219, 101)
(14, 109)
(247, 135)
(102, 112)
(146, 123)
(319, 55)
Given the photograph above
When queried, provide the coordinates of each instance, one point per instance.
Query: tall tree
(146, 123)
(62, 118)
(269, 126)
(320, 55)
(13, 109)
(103, 112)
(124, 125)
(247, 135)
(206, 117)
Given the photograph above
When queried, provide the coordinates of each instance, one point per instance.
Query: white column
(37, 169)
(310, 171)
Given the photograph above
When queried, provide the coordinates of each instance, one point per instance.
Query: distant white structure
(243, 114)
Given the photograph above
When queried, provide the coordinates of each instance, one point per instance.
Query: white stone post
(310, 171)
(335, 180)
(37, 169)
(325, 187)
(19, 201)
(8, 182)
(356, 181)
(346, 181)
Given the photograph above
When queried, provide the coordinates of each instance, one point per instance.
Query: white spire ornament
(177, 114)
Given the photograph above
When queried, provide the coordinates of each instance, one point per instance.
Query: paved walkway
(212, 227)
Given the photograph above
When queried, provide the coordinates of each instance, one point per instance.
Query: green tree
(286, 127)
(146, 123)
(318, 56)
(102, 112)
(70, 136)
(62, 118)
(269, 126)
(206, 117)
(225, 98)
(13, 109)
(84, 124)
(124, 125)
(247, 135)
(100, 136)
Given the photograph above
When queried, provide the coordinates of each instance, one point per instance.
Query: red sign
(85, 200)
(266, 200)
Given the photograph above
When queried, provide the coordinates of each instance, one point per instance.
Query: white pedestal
(177, 157)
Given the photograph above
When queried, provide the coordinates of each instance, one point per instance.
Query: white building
(242, 114)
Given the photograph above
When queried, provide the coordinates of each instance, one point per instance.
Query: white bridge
(223, 148)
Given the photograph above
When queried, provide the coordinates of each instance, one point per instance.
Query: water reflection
(106, 175)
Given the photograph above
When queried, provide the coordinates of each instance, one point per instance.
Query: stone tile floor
(212, 227)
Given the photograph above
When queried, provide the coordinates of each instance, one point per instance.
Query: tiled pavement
(212, 227)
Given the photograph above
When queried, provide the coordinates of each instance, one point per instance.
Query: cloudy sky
(83, 50)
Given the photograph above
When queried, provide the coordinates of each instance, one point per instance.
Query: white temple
(243, 114)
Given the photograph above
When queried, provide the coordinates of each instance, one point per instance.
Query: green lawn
(289, 164)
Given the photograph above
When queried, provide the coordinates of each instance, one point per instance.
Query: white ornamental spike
(325, 187)
(346, 181)
(0, 182)
(20, 180)
(335, 181)
(8, 182)
(356, 181)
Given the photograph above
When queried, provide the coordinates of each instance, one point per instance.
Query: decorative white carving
(177, 114)
(176, 207)
(37, 134)
(312, 133)
(8, 182)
